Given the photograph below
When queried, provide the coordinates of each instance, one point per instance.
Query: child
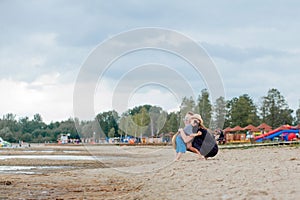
(188, 135)
(180, 144)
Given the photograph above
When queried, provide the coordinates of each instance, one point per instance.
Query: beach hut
(265, 127)
(226, 130)
(228, 135)
(251, 131)
(237, 129)
(237, 136)
(251, 128)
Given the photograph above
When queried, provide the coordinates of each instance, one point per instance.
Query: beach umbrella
(252, 128)
(265, 127)
(237, 128)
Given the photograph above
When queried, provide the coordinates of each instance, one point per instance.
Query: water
(28, 169)
(60, 157)
(39, 169)
(72, 151)
(50, 157)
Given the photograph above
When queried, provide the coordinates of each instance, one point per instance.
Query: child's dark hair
(200, 125)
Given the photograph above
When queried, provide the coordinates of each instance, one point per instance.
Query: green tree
(65, 127)
(27, 137)
(275, 110)
(87, 130)
(219, 112)
(124, 125)
(298, 116)
(161, 121)
(172, 123)
(128, 126)
(204, 107)
(111, 133)
(157, 119)
(107, 121)
(9, 120)
(187, 104)
(137, 110)
(37, 118)
(26, 125)
(7, 135)
(142, 120)
(3, 131)
(53, 125)
(37, 122)
(241, 111)
(38, 139)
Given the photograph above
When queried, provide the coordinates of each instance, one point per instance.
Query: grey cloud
(238, 54)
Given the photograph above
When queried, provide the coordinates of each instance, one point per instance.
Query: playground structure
(286, 133)
(261, 133)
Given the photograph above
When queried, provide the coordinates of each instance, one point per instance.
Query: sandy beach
(136, 172)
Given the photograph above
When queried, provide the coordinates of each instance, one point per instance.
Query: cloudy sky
(255, 46)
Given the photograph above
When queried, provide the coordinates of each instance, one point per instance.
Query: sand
(150, 173)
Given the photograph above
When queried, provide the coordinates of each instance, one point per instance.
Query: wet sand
(150, 173)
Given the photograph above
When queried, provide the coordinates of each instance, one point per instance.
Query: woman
(205, 143)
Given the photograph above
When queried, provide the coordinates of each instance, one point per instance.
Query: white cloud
(108, 98)
(51, 99)
(165, 99)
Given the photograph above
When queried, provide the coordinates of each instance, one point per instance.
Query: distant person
(221, 138)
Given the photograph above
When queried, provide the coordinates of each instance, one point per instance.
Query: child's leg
(178, 155)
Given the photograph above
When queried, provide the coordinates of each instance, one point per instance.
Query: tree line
(149, 120)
